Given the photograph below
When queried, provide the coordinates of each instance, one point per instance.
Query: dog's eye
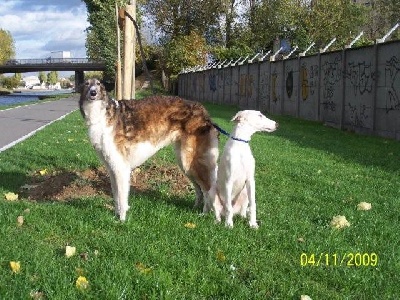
(98, 82)
(87, 83)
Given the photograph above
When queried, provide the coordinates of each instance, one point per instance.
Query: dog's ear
(237, 118)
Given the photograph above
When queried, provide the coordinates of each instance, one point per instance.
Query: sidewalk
(17, 124)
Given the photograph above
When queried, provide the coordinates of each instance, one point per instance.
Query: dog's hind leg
(199, 194)
(197, 156)
(184, 165)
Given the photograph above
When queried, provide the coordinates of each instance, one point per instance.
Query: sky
(39, 27)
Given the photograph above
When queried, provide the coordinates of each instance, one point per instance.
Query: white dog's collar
(228, 135)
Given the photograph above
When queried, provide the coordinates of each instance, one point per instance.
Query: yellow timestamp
(339, 259)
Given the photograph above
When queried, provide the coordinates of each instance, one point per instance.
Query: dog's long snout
(93, 92)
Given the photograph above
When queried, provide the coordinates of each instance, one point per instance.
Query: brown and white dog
(126, 133)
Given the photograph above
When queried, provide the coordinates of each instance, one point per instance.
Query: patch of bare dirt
(69, 185)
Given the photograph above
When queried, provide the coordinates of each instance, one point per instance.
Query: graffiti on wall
(246, 85)
(309, 80)
(274, 87)
(392, 83)
(361, 77)
(264, 88)
(212, 80)
(358, 115)
(331, 75)
(289, 83)
(227, 77)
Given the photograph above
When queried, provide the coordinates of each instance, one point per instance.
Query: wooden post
(118, 87)
(129, 55)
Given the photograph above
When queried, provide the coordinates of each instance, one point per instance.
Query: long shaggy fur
(126, 133)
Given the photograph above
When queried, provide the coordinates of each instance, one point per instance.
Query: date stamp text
(339, 259)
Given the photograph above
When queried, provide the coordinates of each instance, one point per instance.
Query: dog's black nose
(93, 93)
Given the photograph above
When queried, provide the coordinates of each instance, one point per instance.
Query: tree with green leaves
(52, 77)
(7, 47)
(11, 82)
(383, 15)
(175, 18)
(42, 77)
(101, 39)
(185, 29)
(185, 51)
(327, 19)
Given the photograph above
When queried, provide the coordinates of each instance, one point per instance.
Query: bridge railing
(49, 60)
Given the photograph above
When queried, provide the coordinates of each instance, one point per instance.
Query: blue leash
(227, 134)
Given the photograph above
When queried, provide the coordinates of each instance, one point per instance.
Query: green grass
(306, 174)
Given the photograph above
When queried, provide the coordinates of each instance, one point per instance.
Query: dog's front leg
(228, 204)
(251, 192)
(122, 186)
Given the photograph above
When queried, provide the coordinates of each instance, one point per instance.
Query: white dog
(235, 180)
(126, 133)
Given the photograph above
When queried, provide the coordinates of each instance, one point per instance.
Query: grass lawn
(306, 174)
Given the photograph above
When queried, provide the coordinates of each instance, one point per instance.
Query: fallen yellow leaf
(82, 283)
(142, 268)
(15, 266)
(220, 255)
(20, 220)
(11, 196)
(190, 225)
(70, 251)
(43, 172)
(339, 222)
(37, 295)
(364, 206)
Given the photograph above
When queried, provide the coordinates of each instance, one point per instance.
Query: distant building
(60, 54)
(31, 81)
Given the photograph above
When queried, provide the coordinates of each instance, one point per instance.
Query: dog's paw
(229, 224)
(253, 225)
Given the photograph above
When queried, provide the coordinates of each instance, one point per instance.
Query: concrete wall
(353, 89)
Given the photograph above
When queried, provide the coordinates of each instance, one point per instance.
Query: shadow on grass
(71, 186)
(364, 150)
(10, 181)
(361, 149)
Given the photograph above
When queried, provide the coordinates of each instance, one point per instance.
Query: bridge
(78, 65)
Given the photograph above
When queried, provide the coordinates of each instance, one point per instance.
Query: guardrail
(15, 62)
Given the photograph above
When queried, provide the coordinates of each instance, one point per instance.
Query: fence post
(283, 84)
(375, 88)
(299, 87)
(342, 111)
(258, 104)
(318, 108)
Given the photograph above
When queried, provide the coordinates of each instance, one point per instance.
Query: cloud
(41, 26)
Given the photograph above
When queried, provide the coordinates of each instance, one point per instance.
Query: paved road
(17, 124)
